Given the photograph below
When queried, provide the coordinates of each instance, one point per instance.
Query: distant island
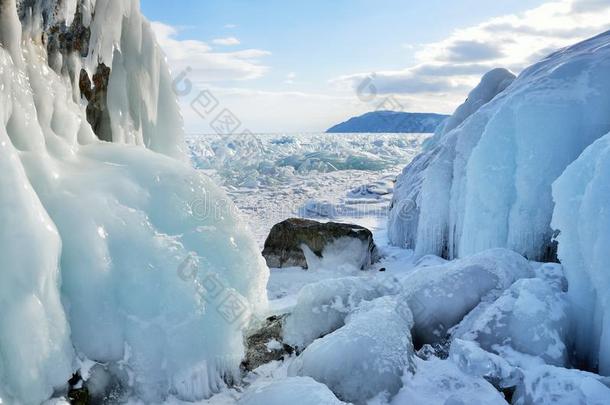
(390, 122)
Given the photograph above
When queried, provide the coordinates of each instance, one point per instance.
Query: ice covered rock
(152, 285)
(474, 361)
(291, 390)
(306, 243)
(487, 183)
(441, 382)
(441, 296)
(265, 344)
(556, 385)
(323, 306)
(365, 357)
(531, 317)
(582, 196)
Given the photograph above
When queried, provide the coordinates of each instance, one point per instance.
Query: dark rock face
(96, 94)
(64, 40)
(67, 39)
(283, 247)
(265, 344)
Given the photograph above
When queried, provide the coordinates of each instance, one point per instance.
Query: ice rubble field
(272, 177)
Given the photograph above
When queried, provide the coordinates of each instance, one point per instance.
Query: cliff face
(108, 51)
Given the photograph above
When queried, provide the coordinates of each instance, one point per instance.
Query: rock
(266, 344)
(96, 94)
(287, 240)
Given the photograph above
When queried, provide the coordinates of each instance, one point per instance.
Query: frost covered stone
(441, 296)
(582, 196)
(291, 390)
(487, 183)
(365, 357)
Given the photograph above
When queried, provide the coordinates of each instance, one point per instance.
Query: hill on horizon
(390, 122)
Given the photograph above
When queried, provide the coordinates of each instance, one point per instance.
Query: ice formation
(291, 390)
(441, 382)
(441, 296)
(530, 317)
(365, 357)
(114, 250)
(555, 385)
(487, 183)
(492, 83)
(323, 306)
(582, 196)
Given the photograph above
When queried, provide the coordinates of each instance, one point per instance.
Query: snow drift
(291, 390)
(111, 249)
(487, 183)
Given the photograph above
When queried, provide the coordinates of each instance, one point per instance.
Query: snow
(342, 253)
(292, 390)
(365, 357)
(582, 195)
(108, 256)
(487, 183)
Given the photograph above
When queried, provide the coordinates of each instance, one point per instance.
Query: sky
(285, 66)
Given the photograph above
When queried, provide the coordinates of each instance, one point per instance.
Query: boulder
(299, 242)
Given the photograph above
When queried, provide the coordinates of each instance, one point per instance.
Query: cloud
(230, 26)
(228, 41)
(583, 6)
(472, 51)
(447, 68)
(205, 63)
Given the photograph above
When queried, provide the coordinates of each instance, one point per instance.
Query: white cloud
(448, 68)
(230, 26)
(205, 63)
(228, 41)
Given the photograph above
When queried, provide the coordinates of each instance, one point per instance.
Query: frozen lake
(271, 177)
